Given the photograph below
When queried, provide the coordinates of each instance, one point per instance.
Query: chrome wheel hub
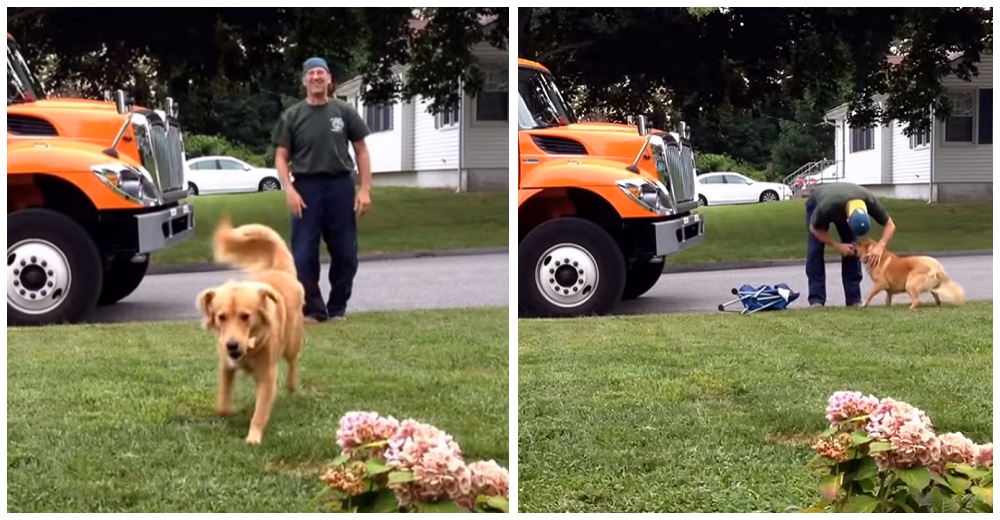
(38, 276)
(567, 275)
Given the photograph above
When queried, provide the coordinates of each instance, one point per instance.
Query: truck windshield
(540, 105)
(22, 85)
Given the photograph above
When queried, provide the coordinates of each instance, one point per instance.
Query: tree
(748, 57)
(207, 57)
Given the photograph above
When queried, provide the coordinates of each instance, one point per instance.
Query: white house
(952, 162)
(465, 148)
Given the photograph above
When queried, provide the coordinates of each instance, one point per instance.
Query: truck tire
(590, 283)
(121, 279)
(641, 278)
(54, 270)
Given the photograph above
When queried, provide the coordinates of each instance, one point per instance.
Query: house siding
(862, 167)
(416, 153)
(487, 143)
(961, 171)
(435, 148)
(909, 165)
(966, 162)
(385, 147)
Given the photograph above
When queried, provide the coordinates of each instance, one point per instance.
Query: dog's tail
(948, 288)
(253, 247)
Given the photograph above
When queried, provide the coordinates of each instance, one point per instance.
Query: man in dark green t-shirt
(850, 208)
(312, 137)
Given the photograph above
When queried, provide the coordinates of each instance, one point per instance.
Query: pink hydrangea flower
(360, 428)
(412, 439)
(844, 406)
(910, 433)
(489, 479)
(984, 456)
(435, 460)
(957, 448)
(439, 474)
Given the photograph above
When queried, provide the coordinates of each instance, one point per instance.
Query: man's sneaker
(311, 320)
(816, 306)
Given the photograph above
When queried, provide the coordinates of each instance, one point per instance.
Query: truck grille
(162, 155)
(680, 165)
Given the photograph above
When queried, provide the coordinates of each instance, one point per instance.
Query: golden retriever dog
(913, 275)
(255, 321)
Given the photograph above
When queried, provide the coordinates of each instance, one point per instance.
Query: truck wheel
(569, 267)
(54, 270)
(122, 277)
(641, 278)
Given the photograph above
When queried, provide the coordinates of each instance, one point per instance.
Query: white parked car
(735, 188)
(221, 174)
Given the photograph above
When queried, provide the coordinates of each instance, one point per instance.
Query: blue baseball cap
(860, 222)
(313, 63)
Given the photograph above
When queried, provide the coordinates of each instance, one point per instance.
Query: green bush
(711, 162)
(197, 145)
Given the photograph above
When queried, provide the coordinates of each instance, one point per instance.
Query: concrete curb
(209, 267)
(729, 266)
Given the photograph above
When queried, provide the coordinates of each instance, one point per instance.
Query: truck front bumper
(674, 236)
(162, 229)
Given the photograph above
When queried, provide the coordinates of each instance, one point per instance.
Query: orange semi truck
(92, 189)
(600, 205)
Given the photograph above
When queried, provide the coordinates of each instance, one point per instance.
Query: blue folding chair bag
(764, 298)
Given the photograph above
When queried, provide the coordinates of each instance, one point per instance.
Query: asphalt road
(421, 283)
(483, 280)
(704, 291)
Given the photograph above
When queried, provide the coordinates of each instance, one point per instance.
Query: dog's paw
(225, 412)
(253, 438)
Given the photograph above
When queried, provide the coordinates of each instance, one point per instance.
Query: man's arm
(281, 164)
(357, 131)
(887, 232)
(364, 164)
(822, 235)
(281, 136)
(878, 212)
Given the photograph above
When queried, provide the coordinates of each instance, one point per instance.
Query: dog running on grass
(913, 275)
(255, 321)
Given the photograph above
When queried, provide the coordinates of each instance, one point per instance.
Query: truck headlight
(650, 195)
(133, 183)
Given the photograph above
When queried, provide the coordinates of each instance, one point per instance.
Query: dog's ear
(204, 303)
(270, 303)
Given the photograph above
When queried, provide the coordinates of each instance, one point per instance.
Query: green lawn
(715, 413)
(777, 231)
(401, 220)
(120, 418)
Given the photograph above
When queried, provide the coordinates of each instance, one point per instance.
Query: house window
(446, 119)
(862, 139)
(986, 116)
(920, 139)
(958, 126)
(379, 117)
(491, 103)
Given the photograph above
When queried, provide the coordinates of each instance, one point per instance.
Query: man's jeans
(329, 213)
(816, 266)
